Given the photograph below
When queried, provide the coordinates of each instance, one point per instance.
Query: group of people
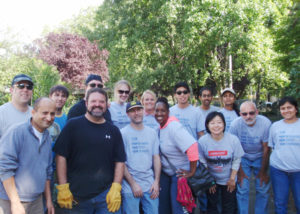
(124, 157)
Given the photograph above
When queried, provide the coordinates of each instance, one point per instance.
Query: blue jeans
(262, 192)
(282, 182)
(167, 196)
(131, 204)
(96, 205)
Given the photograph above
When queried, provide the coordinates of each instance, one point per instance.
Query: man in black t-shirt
(79, 108)
(90, 160)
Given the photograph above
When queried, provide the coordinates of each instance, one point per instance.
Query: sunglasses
(180, 92)
(123, 92)
(93, 85)
(22, 86)
(251, 113)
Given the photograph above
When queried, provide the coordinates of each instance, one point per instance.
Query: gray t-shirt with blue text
(189, 117)
(118, 114)
(229, 117)
(285, 143)
(140, 146)
(251, 137)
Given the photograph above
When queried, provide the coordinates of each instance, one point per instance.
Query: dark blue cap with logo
(21, 77)
(133, 104)
(92, 77)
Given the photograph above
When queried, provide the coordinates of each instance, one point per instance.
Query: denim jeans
(96, 205)
(131, 204)
(228, 201)
(262, 192)
(282, 182)
(167, 196)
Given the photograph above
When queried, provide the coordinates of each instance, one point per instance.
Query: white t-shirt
(118, 114)
(251, 137)
(9, 116)
(189, 117)
(140, 146)
(38, 134)
(229, 117)
(204, 114)
(218, 155)
(285, 142)
(174, 141)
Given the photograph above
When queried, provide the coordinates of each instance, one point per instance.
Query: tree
(74, 57)
(154, 44)
(288, 44)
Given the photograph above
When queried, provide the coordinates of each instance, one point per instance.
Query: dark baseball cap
(92, 77)
(133, 104)
(21, 77)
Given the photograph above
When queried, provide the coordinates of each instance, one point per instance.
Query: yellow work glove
(113, 197)
(64, 196)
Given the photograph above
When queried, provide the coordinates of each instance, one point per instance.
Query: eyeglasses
(22, 86)
(93, 85)
(123, 92)
(251, 113)
(180, 92)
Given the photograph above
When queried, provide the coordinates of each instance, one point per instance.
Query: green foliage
(288, 44)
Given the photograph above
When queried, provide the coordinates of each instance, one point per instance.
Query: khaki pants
(34, 207)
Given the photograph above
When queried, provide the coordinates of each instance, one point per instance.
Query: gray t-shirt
(229, 117)
(204, 114)
(189, 117)
(218, 155)
(251, 137)
(174, 140)
(285, 143)
(140, 146)
(9, 116)
(118, 114)
(150, 121)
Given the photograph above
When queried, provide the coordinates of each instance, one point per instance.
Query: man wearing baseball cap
(141, 183)
(18, 109)
(92, 81)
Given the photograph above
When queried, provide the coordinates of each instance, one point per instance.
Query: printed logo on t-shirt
(107, 136)
(217, 153)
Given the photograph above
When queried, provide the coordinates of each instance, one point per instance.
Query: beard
(250, 122)
(97, 114)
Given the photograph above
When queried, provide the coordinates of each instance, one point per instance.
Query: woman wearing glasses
(230, 110)
(284, 140)
(148, 100)
(221, 152)
(118, 107)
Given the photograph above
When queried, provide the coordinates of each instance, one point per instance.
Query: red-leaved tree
(74, 57)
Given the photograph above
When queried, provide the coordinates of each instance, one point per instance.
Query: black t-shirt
(79, 109)
(91, 151)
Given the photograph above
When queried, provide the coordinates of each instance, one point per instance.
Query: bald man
(253, 131)
(25, 164)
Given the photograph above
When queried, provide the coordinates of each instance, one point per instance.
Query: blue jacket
(29, 162)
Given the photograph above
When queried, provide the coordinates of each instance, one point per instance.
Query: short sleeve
(267, 125)
(156, 144)
(118, 150)
(271, 140)
(62, 145)
(182, 138)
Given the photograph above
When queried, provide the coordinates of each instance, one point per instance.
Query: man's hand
(64, 196)
(154, 190)
(241, 176)
(113, 197)
(50, 207)
(17, 208)
(263, 177)
(137, 190)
